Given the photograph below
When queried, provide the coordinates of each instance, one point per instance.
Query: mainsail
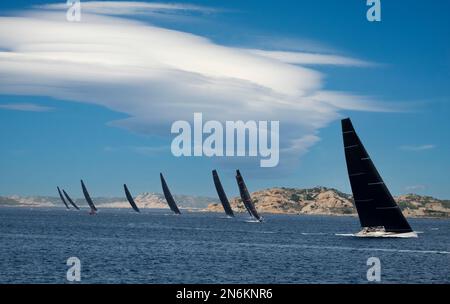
(168, 196)
(88, 198)
(245, 196)
(130, 198)
(62, 198)
(222, 195)
(70, 200)
(374, 203)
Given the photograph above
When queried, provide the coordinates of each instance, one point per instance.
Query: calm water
(119, 246)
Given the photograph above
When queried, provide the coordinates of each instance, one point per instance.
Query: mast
(130, 198)
(88, 198)
(62, 198)
(168, 196)
(245, 196)
(374, 203)
(222, 195)
(70, 200)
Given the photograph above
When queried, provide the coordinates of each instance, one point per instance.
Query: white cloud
(415, 188)
(28, 107)
(129, 7)
(157, 75)
(302, 58)
(418, 148)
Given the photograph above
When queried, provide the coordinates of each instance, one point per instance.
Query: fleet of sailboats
(379, 214)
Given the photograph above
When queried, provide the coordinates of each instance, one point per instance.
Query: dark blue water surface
(120, 246)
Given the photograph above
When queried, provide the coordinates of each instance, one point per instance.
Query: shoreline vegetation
(312, 201)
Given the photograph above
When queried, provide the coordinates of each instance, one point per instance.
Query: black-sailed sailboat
(246, 199)
(70, 200)
(222, 196)
(379, 214)
(62, 198)
(169, 198)
(88, 199)
(130, 198)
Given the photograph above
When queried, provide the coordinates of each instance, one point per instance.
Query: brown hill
(328, 201)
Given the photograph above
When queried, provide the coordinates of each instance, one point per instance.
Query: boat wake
(252, 221)
(226, 217)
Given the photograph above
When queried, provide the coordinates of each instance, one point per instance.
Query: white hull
(384, 234)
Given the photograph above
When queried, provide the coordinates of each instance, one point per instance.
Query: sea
(155, 246)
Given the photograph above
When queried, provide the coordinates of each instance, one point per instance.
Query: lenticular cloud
(157, 75)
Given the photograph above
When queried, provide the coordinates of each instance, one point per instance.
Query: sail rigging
(70, 200)
(130, 198)
(169, 198)
(245, 196)
(88, 198)
(62, 198)
(222, 196)
(374, 203)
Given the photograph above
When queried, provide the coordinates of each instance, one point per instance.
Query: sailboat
(246, 199)
(62, 198)
(88, 199)
(169, 198)
(70, 200)
(130, 198)
(379, 214)
(222, 196)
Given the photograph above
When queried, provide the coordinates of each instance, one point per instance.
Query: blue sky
(81, 131)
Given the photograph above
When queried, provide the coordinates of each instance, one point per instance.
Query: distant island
(328, 201)
(313, 201)
(144, 200)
